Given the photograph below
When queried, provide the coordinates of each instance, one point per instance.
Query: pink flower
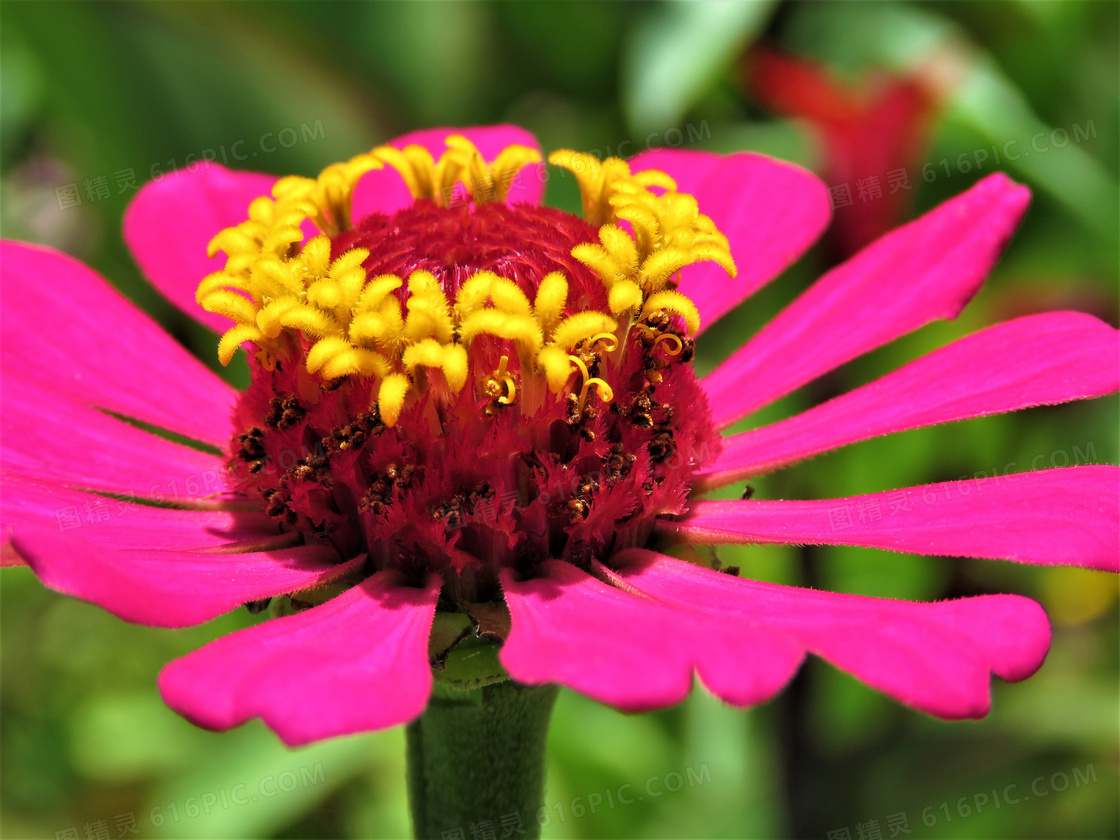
(870, 134)
(461, 400)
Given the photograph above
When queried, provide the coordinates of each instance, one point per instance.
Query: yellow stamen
(668, 233)
(608, 340)
(579, 327)
(290, 298)
(505, 379)
(676, 303)
(461, 164)
(606, 394)
(676, 345)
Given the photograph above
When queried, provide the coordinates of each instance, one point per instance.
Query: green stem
(479, 755)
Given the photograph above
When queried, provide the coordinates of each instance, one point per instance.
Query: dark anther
(380, 493)
(284, 412)
(377, 498)
(450, 510)
(748, 491)
(589, 358)
(578, 507)
(354, 434)
(463, 503)
(250, 449)
(617, 464)
(658, 322)
(580, 420)
(257, 607)
(641, 411)
(278, 506)
(401, 476)
(661, 445)
(496, 390)
(250, 445)
(316, 468)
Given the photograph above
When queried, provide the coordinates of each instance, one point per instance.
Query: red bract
(462, 402)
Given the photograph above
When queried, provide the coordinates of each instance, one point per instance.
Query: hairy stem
(478, 756)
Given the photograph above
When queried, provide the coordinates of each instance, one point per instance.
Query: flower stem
(479, 755)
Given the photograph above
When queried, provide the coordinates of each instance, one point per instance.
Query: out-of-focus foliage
(99, 98)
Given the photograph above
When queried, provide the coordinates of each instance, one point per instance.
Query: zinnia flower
(870, 134)
(467, 405)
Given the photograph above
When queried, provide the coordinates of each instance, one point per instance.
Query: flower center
(465, 385)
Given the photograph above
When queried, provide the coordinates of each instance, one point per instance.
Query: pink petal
(1012, 631)
(165, 587)
(528, 184)
(922, 271)
(30, 502)
(933, 657)
(356, 663)
(60, 440)
(169, 223)
(741, 661)
(156, 566)
(1058, 517)
(65, 327)
(379, 191)
(631, 653)
(569, 628)
(769, 210)
(1036, 360)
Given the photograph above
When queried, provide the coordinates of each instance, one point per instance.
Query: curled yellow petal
(232, 340)
(556, 366)
(390, 397)
(580, 327)
(676, 303)
(552, 297)
(623, 296)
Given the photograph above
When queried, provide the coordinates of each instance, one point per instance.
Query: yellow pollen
(289, 298)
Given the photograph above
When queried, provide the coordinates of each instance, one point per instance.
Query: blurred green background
(96, 93)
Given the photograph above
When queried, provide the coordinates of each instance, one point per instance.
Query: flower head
(473, 427)
(463, 385)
